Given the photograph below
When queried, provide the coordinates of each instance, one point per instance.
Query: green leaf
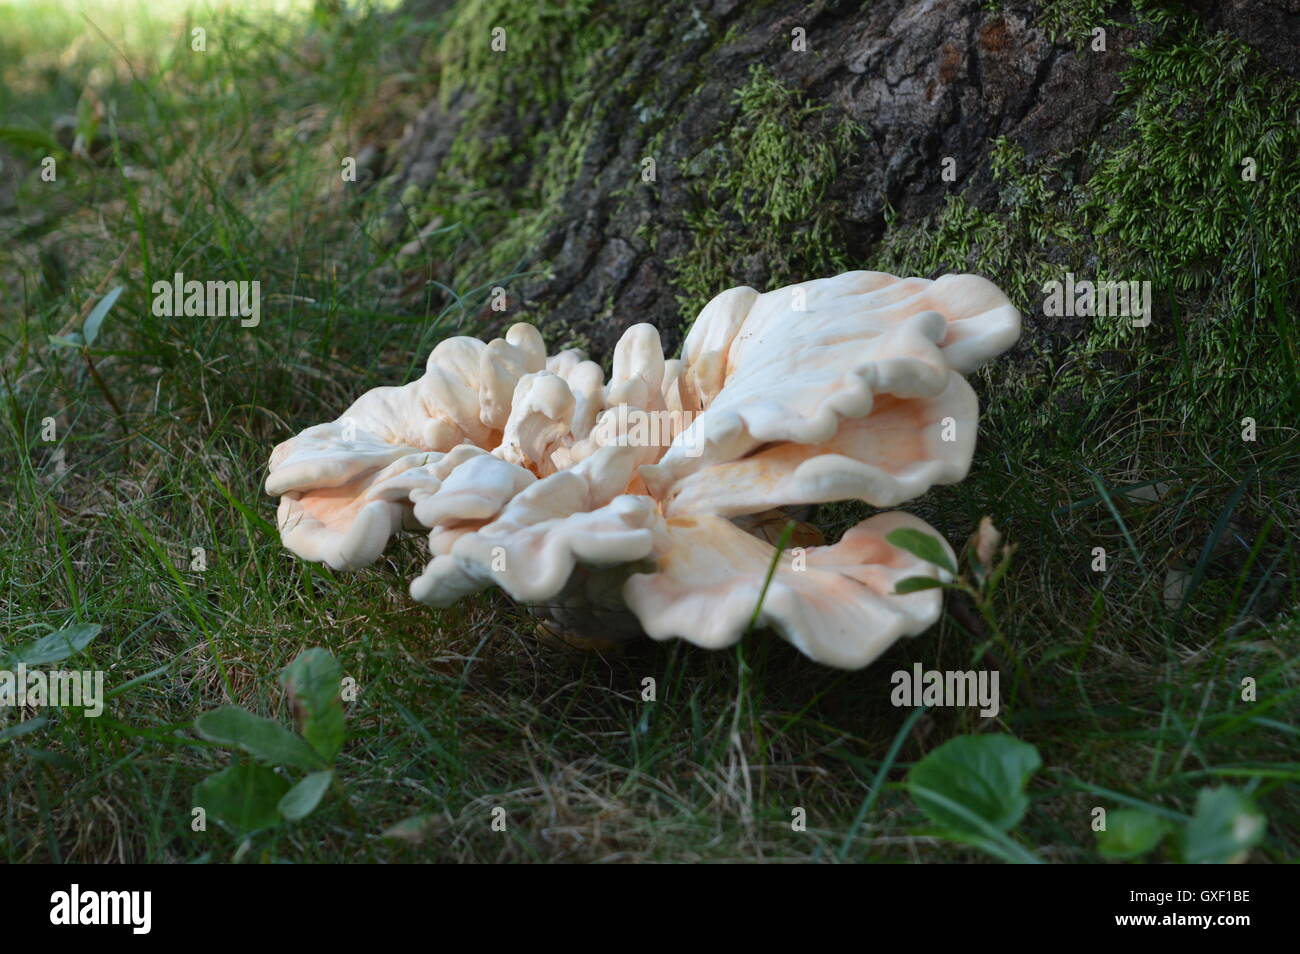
(245, 797)
(22, 728)
(259, 737)
(984, 774)
(1224, 829)
(995, 842)
(1131, 833)
(87, 120)
(312, 682)
(915, 583)
(25, 138)
(56, 646)
(999, 571)
(73, 340)
(923, 545)
(301, 800)
(90, 330)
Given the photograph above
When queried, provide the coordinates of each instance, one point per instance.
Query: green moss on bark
(499, 191)
(521, 54)
(1168, 203)
(762, 195)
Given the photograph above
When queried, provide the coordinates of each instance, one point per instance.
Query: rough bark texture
(921, 80)
(1269, 27)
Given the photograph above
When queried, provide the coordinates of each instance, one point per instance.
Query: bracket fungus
(638, 504)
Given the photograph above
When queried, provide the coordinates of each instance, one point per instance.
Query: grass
(226, 164)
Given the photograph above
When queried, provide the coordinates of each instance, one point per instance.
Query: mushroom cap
(541, 414)
(793, 365)
(532, 548)
(836, 604)
(347, 525)
(896, 452)
(348, 485)
(528, 469)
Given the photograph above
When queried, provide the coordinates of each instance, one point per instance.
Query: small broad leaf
(90, 330)
(984, 774)
(912, 584)
(1224, 829)
(57, 645)
(312, 682)
(1131, 833)
(245, 797)
(259, 737)
(301, 800)
(922, 545)
(73, 340)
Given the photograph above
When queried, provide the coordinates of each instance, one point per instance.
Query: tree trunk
(635, 160)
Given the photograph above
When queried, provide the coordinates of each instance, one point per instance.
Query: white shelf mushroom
(533, 474)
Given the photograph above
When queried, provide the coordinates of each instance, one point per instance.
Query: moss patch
(499, 190)
(1167, 203)
(1172, 202)
(762, 198)
(523, 54)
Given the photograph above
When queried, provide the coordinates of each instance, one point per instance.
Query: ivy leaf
(245, 797)
(985, 775)
(312, 681)
(922, 545)
(261, 738)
